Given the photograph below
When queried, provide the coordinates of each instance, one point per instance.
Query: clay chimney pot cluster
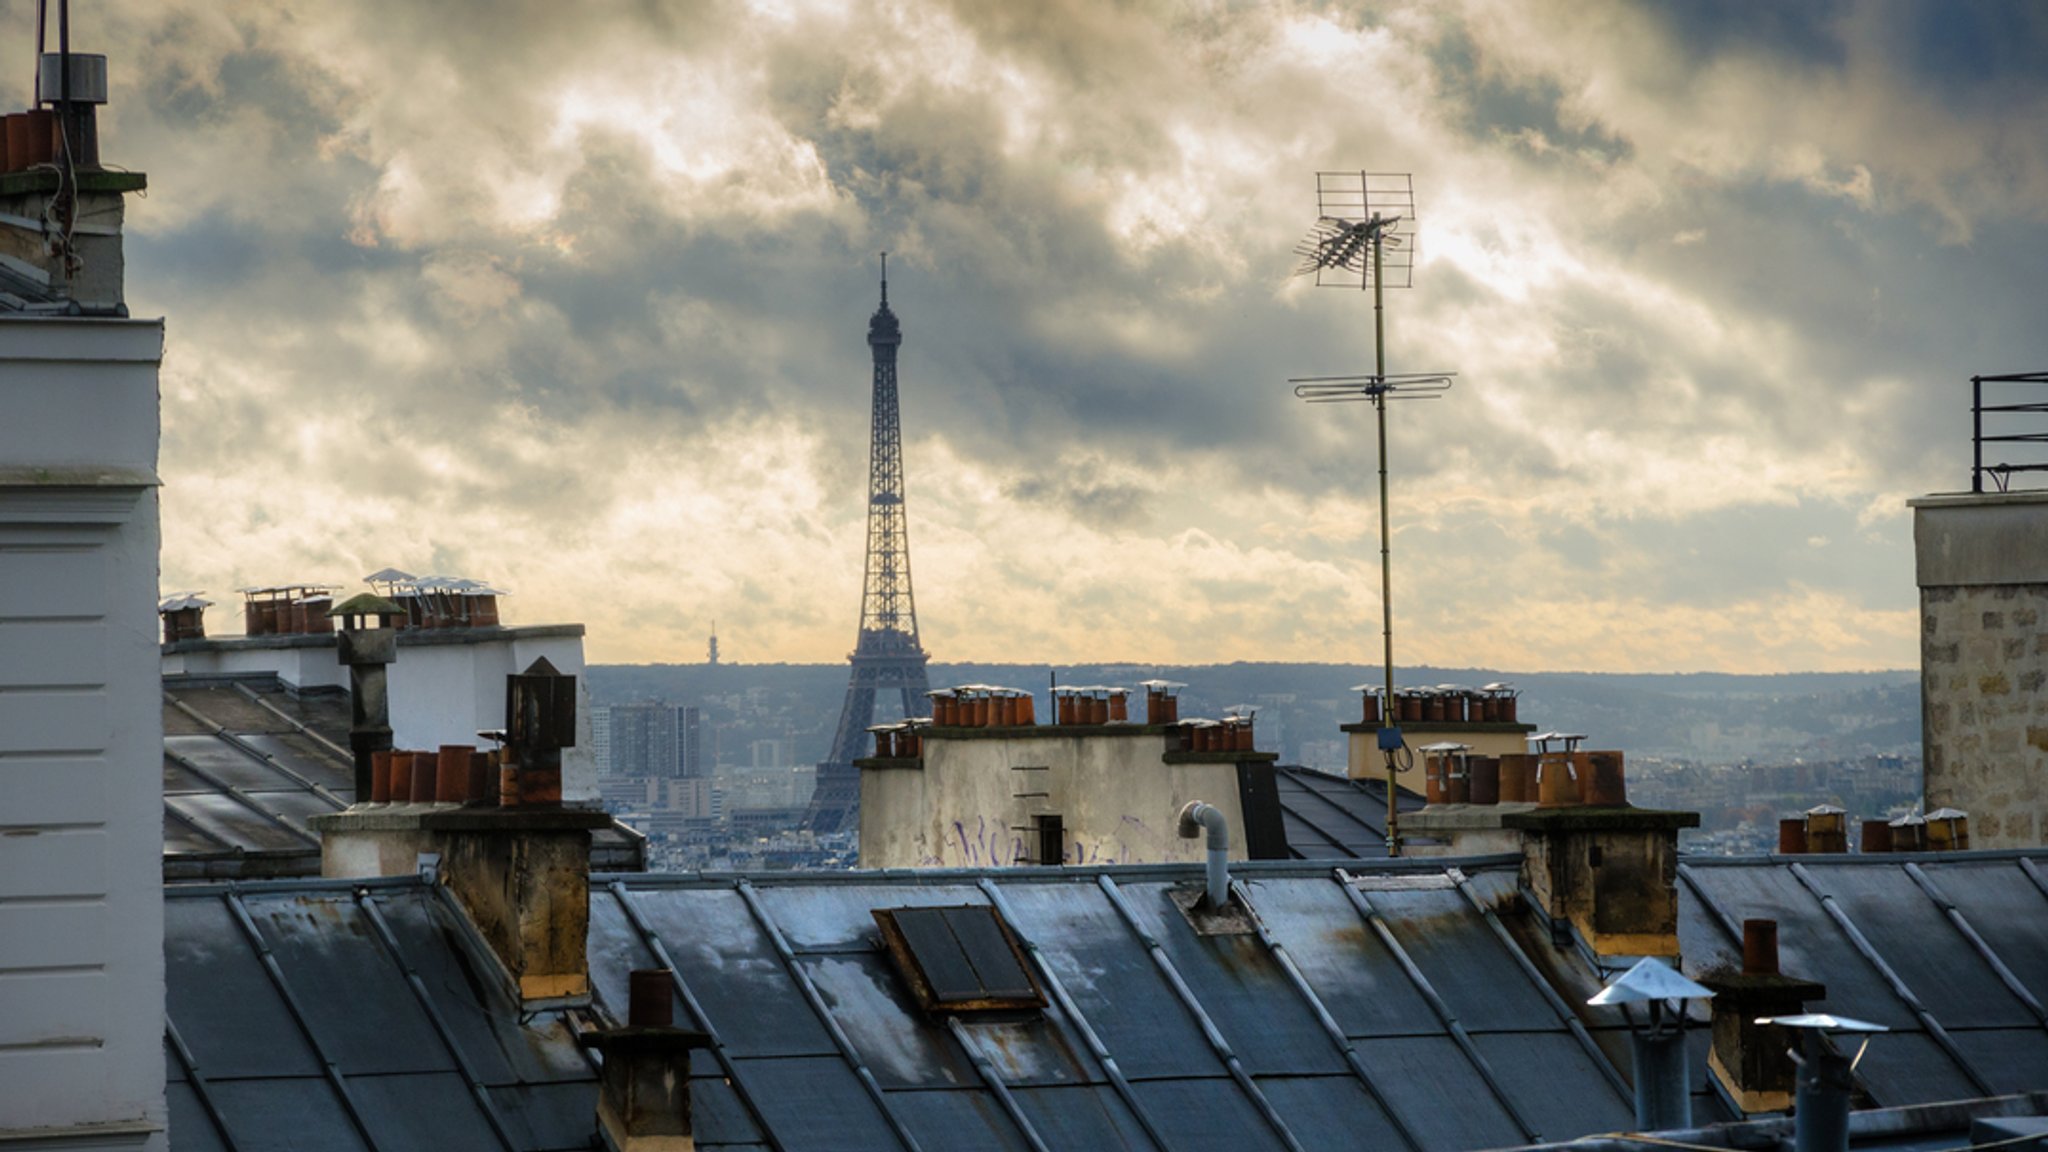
(1824, 829)
(455, 775)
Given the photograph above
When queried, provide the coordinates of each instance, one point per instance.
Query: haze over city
(572, 299)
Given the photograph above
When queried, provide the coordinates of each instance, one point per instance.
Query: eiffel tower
(887, 655)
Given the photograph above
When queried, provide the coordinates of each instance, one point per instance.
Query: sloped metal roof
(1333, 817)
(1396, 1005)
(1949, 951)
(246, 762)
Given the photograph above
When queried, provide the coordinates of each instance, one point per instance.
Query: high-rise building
(643, 739)
(690, 734)
(887, 654)
(601, 739)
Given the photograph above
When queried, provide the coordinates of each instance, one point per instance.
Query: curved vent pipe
(1195, 817)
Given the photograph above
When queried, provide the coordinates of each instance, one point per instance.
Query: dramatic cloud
(573, 298)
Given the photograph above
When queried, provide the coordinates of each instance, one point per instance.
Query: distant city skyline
(572, 301)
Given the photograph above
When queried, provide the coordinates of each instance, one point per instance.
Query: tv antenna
(1364, 234)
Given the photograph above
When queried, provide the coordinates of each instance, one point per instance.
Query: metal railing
(2026, 384)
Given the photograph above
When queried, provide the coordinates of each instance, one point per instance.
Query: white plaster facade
(970, 802)
(81, 736)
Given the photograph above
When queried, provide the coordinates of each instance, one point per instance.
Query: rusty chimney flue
(1760, 947)
(643, 1102)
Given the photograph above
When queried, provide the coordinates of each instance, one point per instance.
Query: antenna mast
(1360, 217)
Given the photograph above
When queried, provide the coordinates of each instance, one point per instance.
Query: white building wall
(444, 688)
(81, 736)
(969, 802)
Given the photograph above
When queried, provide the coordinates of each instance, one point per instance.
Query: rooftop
(247, 761)
(1393, 1004)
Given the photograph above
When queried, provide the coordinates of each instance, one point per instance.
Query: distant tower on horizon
(711, 657)
(887, 655)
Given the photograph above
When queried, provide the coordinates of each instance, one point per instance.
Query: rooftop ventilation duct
(1195, 817)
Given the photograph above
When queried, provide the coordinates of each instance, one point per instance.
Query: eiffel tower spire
(887, 654)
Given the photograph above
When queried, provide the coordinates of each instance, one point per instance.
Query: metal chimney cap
(1650, 979)
(1823, 1022)
(88, 77)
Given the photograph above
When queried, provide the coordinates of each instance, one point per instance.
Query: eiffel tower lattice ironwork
(887, 656)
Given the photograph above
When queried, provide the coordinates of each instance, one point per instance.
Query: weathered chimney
(184, 617)
(1610, 875)
(521, 869)
(366, 645)
(643, 1102)
(60, 211)
(1752, 1060)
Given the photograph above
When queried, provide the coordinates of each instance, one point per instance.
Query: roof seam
(389, 941)
(653, 944)
(1899, 987)
(1557, 1004)
(810, 992)
(1990, 955)
(1194, 1008)
(994, 1080)
(275, 971)
(1117, 1080)
(1363, 904)
(1323, 1018)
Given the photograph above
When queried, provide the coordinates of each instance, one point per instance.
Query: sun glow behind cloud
(574, 301)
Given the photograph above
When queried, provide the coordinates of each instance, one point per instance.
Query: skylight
(958, 958)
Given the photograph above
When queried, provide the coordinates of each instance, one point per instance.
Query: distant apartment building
(643, 740)
(690, 731)
(601, 740)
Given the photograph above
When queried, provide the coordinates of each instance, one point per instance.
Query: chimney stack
(643, 1102)
(184, 617)
(1752, 1060)
(519, 868)
(60, 210)
(366, 645)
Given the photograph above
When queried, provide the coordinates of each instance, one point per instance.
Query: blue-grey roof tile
(1530, 1065)
(1919, 943)
(301, 1113)
(1082, 1117)
(1241, 988)
(1111, 979)
(724, 956)
(322, 941)
(1438, 1094)
(422, 1113)
(871, 1006)
(192, 1130)
(968, 1121)
(815, 1102)
(253, 1059)
(1331, 1112)
(231, 1016)
(1205, 1115)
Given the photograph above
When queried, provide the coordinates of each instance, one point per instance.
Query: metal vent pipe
(1195, 817)
(1820, 1111)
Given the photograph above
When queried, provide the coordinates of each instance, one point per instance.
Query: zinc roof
(246, 762)
(1395, 1004)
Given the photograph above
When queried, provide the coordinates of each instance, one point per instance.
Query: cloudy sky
(573, 298)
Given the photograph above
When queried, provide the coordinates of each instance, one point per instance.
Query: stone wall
(1983, 668)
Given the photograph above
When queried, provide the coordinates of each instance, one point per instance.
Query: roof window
(959, 958)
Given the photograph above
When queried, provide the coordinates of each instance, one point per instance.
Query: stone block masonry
(1984, 661)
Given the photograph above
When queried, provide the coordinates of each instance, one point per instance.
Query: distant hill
(1713, 717)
